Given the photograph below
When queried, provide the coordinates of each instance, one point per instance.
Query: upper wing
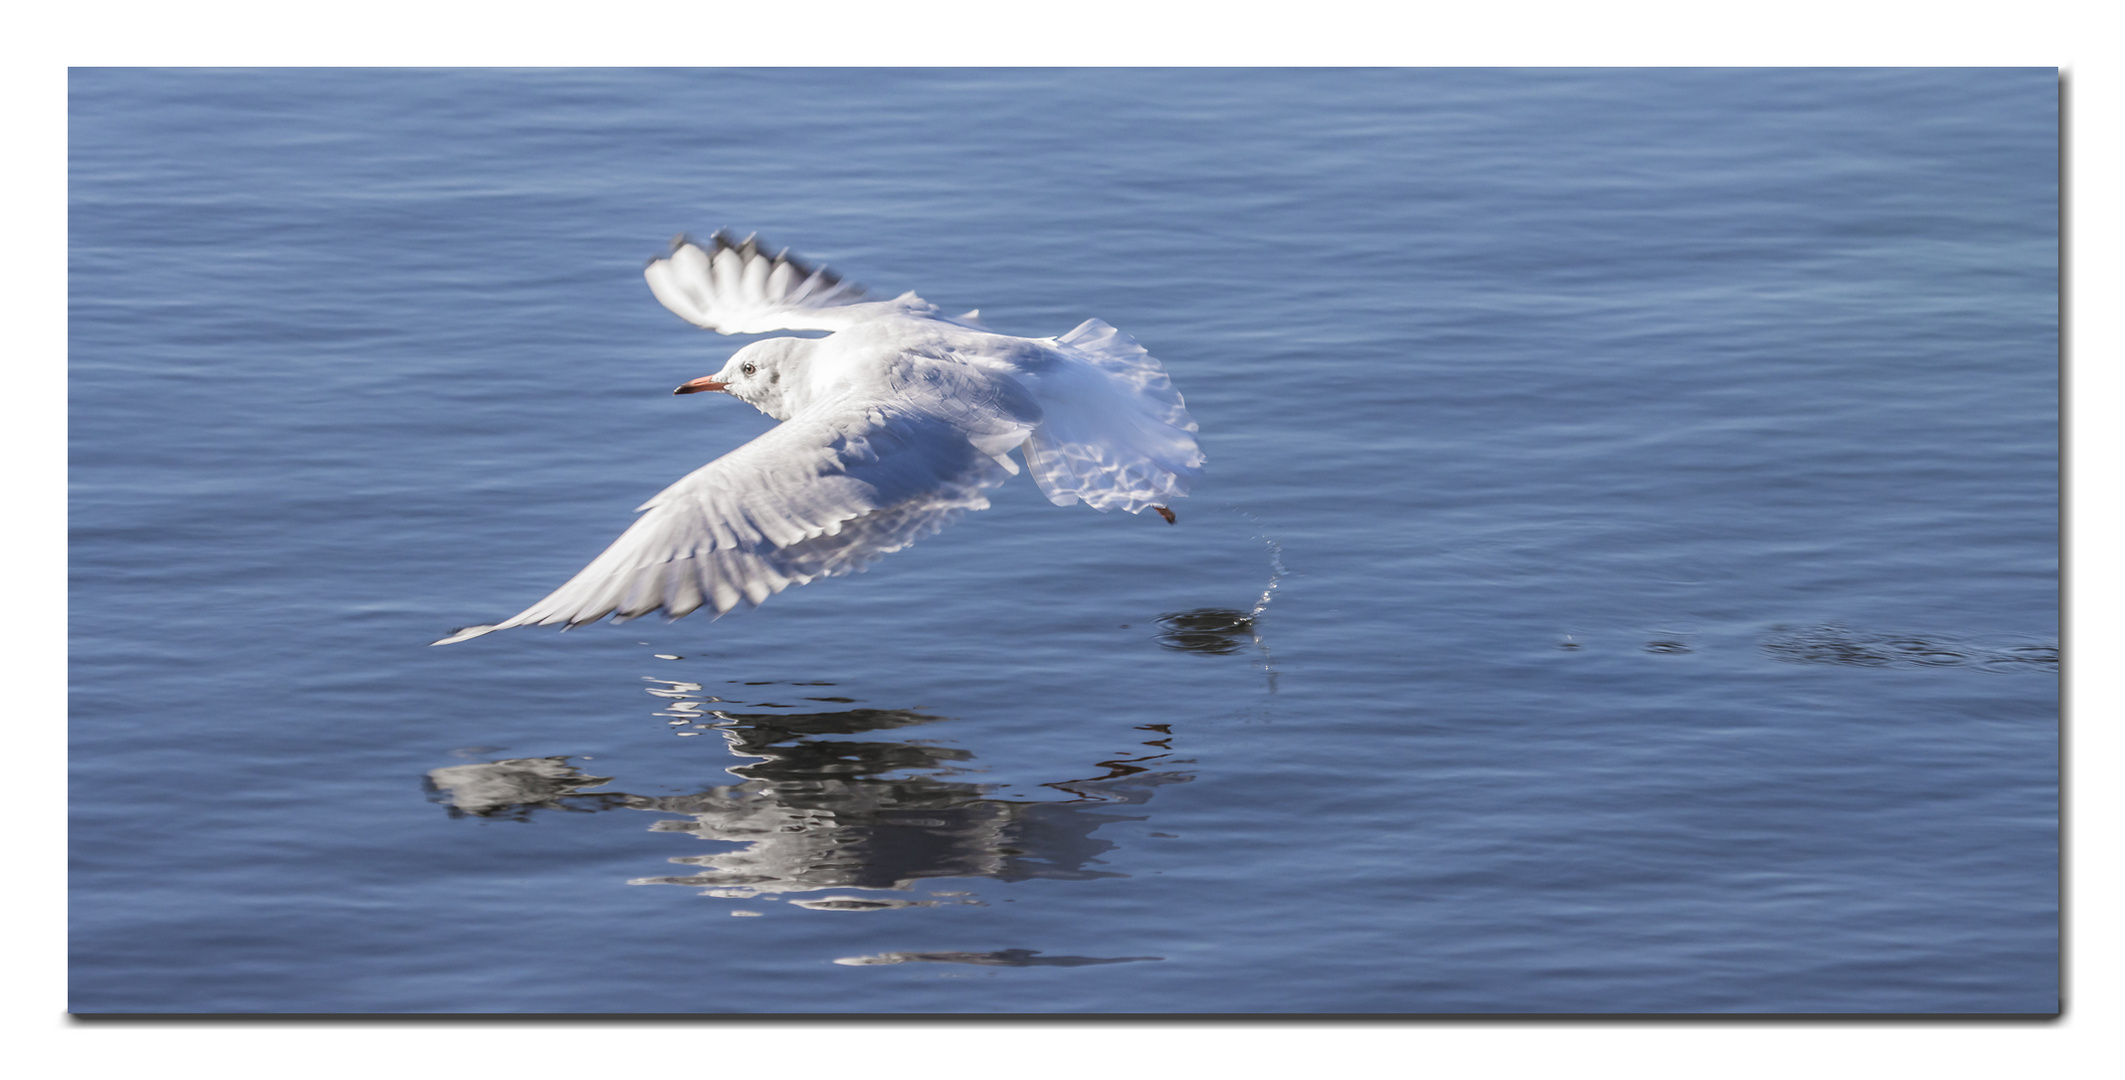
(736, 287)
(822, 494)
(1114, 432)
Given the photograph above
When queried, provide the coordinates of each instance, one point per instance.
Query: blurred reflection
(1207, 630)
(514, 787)
(1839, 645)
(1223, 631)
(998, 958)
(1219, 631)
(818, 810)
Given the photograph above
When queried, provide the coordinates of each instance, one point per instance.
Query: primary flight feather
(892, 427)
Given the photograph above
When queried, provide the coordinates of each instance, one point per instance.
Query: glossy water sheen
(1664, 465)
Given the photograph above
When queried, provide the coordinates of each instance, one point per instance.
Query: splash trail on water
(1276, 575)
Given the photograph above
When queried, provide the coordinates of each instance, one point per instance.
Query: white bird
(892, 427)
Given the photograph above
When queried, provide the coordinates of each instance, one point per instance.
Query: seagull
(892, 427)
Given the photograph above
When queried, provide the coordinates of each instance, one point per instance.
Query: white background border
(44, 41)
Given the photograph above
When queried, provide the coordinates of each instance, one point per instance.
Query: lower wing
(822, 494)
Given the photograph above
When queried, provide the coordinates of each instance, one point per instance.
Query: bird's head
(765, 374)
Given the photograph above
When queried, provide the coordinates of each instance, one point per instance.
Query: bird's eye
(747, 367)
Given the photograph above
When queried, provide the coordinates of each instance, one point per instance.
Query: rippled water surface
(1624, 579)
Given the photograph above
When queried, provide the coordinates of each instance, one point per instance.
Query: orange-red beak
(705, 382)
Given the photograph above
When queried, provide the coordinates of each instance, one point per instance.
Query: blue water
(1643, 484)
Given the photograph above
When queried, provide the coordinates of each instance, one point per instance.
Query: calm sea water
(1643, 486)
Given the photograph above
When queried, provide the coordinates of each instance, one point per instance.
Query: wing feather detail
(736, 286)
(823, 494)
(1115, 433)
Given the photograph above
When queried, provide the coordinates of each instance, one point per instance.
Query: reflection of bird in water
(514, 787)
(892, 427)
(818, 811)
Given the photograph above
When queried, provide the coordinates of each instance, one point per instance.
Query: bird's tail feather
(1114, 432)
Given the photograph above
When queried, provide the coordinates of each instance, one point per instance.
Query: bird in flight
(893, 426)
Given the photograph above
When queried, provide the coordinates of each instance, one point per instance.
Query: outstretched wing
(735, 286)
(1115, 432)
(822, 494)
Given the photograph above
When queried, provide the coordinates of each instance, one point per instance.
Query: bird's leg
(1165, 513)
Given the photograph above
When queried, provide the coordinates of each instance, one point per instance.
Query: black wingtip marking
(750, 247)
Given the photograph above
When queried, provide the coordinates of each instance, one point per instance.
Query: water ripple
(1842, 646)
(998, 958)
(816, 810)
